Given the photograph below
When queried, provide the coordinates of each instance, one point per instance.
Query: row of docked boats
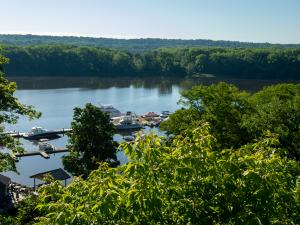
(122, 122)
(131, 121)
(127, 121)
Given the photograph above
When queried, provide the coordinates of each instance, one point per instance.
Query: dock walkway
(44, 154)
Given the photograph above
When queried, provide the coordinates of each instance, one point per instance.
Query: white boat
(127, 122)
(110, 110)
(39, 132)
(44, 146)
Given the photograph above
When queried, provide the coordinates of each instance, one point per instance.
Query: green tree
(26, 212)
(222, 105)
(10, 110)
(186, 182)
(90, 142)
(8, 220)
(277, 109)
(237, 118)
(200, 62)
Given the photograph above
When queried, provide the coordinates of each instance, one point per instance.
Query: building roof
(151, 114)
(4, 179)
(58, 174)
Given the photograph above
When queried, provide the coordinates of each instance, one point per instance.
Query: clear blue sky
(276, 21)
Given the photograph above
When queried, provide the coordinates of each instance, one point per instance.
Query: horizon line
(52, 34)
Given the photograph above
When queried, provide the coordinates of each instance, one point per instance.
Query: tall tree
(10, 110)
(237, 118)
(222, 105)
(90, 142)
(277, 109)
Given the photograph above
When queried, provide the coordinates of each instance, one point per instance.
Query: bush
(188, 182)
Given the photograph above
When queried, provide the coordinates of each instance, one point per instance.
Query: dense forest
(133, 45)
(70, 60)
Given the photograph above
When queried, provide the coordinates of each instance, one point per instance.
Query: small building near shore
(150, 116)
(58, 174)
(4, 187)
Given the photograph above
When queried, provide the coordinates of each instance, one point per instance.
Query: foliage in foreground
(10, 110)
(188, 182)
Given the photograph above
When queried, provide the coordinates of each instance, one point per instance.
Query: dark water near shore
(162, 84)
(56, 98)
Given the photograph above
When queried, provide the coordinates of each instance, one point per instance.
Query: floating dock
(44, 154)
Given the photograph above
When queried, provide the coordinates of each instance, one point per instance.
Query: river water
(56, 98)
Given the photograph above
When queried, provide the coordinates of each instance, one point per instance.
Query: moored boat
(110, 110)
(37, 133)
(45, 146)
(129, 121)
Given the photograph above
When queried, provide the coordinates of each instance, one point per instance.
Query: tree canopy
(90, 141)
(222, 105)
(277, 109)
(238, 117)
(68, 60)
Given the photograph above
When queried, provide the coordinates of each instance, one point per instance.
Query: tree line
(67, 60)
(132, 45)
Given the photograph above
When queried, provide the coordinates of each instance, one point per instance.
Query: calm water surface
(56, 98)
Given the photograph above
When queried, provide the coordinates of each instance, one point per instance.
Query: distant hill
(134, 45)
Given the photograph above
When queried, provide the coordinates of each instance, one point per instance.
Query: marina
(124, 121)
(57, 107)
(128, 121)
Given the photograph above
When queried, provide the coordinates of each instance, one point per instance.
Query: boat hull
(128, 127)
(49, 135)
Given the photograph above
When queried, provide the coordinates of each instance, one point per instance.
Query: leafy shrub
(187, 182)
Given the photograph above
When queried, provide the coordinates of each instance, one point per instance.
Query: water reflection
(92, 82)
(165, 88)
(164, 84)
